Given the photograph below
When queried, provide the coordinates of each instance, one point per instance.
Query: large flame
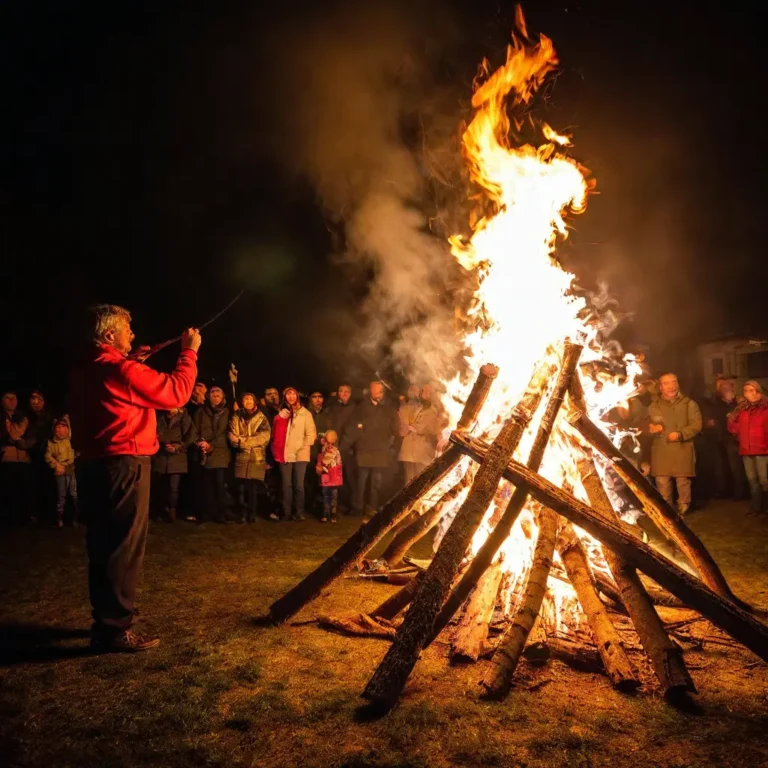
(524, 306)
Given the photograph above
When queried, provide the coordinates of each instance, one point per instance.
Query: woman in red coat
(749, 422)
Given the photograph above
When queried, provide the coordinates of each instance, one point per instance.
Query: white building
(736, 357)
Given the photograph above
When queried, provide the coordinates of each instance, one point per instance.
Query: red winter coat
(329, 465)
(113, 401)
(750, 425)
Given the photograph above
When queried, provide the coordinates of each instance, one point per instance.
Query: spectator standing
(749, 422)
(370, 435)
(271, 407)
(192, 491)
(730, 480)
(249, 435)
(674, 421)
(211, 422)
(175, 434)
(14, 463)
(197, 399)
(321, 417)
(339, 418)
(421, 422)
(271, 403)
(293, 433)
(113, 402)
(330, 471)
(39, 431)
(60, 457)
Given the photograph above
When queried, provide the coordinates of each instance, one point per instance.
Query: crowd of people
(136, 438)
(282, 456)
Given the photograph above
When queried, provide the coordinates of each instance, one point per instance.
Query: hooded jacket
(113, 401)
(750, 424)
(211, 425)
(60, 451)
(293, 437)
(13, 444)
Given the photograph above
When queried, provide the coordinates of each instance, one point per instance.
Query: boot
(756, 505)
(172, 515)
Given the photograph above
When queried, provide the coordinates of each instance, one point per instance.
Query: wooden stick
(605, 635)
(472, 631)
(397, 602)
(407, 536)
(666, 657)
(388, 680)
(722, 612)
(498, 679)
(668, 520)
(487, 552)
(585, 658)
(369, 534)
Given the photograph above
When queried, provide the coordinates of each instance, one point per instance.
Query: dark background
(140, 169)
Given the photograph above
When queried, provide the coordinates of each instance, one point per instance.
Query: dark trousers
(15, 492)
(376, 477)
(214, 481)
(312, 487)
(349, 470)
(729, 471)
(166, 490)
(248, 497)
(330, 501)
(66, 485)
(114, 494)
(292, 474)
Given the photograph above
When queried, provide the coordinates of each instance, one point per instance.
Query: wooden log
(397, 602)
(477, 396)
(389, 678)
(579, 656)
(537, 649)
(606, 636)
(724, 613)
(363, 539)
(422, 525)
(498, 679)
(500, 533)
(665, 517)
(360, 625)
(666, 656)
(472, 631)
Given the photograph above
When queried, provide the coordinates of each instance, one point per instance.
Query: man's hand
(142, 353)
(711, 423)
(170, 448)
(59, 469)
(655, 429)
(191, 339)
(284, 413)
(645, 468)
(673, 437)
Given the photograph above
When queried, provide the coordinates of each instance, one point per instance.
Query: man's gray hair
(107, 317)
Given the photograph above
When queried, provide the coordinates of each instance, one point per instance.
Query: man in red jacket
(113, 401)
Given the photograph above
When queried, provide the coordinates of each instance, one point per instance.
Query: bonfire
(530, 539)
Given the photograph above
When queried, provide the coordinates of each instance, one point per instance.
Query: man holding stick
(113, 402)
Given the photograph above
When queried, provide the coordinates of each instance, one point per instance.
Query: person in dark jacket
(339, 416)
(211, 422)
(112, 412)
(249, 435)
(175, 433)
(15, 477)
(197, 400)
(749, 422)
(370, 435)
(39, 431)
(730, 480)
(321, 417)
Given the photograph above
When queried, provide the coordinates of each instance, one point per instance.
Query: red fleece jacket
(113, 401)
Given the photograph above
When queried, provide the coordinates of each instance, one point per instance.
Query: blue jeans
(292, 474)
(66, 485)
(756, 468)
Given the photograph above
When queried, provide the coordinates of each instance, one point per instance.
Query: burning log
(607, 639)
(496, 538)
(724, 613)
(369, 534)
(498, 679)
(397, 602)
(580, 656)
(407, 536)
(666, 656)
(667, 519)
(471, 634)
(388, 680)
(537, 649)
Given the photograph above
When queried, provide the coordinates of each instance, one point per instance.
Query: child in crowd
(330, 470)
(60, 457)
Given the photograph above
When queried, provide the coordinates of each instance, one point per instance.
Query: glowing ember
(524, 307)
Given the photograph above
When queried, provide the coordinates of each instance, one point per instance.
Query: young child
(330, 471)
(60, 457)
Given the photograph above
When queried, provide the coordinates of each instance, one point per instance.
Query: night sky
(149, 161)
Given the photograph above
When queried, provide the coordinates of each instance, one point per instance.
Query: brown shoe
(171, 515)
(126, 642)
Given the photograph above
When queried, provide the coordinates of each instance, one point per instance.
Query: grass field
(222, 691)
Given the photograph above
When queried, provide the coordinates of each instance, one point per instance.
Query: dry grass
(222, 691)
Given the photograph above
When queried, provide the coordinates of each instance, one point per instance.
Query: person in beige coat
(293, 434)
(421, 422)
(674, 421)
